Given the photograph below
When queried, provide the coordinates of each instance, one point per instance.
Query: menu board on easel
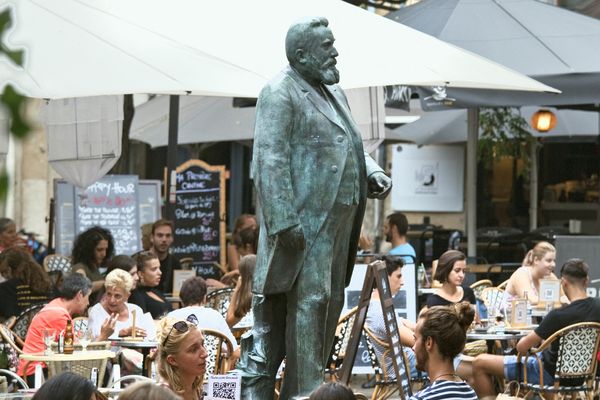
(112, 203)
(200, 216)
(376, 278)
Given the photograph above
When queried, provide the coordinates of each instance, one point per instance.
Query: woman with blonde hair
(538, 264)
(114, 305)
(241, 299)
(182, 357)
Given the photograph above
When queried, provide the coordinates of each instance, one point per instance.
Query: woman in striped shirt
(440, 336)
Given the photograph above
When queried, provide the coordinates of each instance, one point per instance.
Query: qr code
(224, 390)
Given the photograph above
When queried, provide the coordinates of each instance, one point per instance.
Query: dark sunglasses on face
(182, 326)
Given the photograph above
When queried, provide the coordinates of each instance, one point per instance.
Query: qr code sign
(224, 390)
(224, 387)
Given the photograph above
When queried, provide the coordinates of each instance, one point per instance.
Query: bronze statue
(312, 179)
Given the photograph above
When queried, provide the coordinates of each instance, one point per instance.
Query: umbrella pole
(172, 156)
(533, 186)
(472, 137)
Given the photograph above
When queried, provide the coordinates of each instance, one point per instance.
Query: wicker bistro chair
(340, 343)
(219, 349)
(219, 300)
(479, 286)
(9, 347)
(57, 262)
(385, 385)
(493, 299)
(80, 324)
(576, 361)
(23, 321)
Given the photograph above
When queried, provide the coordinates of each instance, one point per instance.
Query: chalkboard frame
(64, 195)
(376, 278)
(222, 194)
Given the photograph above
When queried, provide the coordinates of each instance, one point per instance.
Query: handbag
(507, 392)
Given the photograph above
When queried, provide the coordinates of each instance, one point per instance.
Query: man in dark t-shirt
(574, 281)
(162, 239)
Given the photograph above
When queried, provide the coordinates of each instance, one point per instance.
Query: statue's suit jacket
(300, 150)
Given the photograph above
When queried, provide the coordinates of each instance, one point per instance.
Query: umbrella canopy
(451, 126)
(90, 47)
(551, 44)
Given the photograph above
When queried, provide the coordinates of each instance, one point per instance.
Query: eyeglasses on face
(181, 326)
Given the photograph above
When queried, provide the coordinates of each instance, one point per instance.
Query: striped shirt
(448, 390)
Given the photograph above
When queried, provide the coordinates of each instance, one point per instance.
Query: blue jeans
(511, 370)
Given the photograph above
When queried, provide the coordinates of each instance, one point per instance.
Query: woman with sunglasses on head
(182, 357)
(146, 294)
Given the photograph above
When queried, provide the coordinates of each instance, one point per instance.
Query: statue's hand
(292, 238)
(379, 185)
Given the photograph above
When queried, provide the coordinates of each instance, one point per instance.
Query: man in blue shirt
(395, 228)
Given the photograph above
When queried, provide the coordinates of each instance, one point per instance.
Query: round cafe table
(144, 345)
(491, 337)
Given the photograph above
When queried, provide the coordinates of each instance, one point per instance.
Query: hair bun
(464, 314)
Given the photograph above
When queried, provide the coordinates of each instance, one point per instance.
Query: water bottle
(94, 376)
(420, 275)
(529, 320)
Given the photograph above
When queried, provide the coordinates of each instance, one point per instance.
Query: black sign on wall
(200, 216)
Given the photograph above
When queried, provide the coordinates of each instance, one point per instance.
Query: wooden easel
(376, 277)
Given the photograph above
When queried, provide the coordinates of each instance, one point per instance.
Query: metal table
(145, 346)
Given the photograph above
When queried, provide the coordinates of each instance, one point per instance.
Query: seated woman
(91, 251)
(538, 264)
(118, 285)
(240, 307)
(8, 235)
(376, 323)
(146, 295)
(451, 269)
(27, 283)
(181, 357)
(440, 336)
(241, 222)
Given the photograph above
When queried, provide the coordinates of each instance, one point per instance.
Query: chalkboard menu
(119, 203)
(376, 278)
(200, 216)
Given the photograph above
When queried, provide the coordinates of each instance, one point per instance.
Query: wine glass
(48, 335)
(85, 337)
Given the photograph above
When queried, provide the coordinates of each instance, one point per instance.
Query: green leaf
(15, 55)
(15, 103)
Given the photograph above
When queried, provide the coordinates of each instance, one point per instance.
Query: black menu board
(112, 203)
(200, 216)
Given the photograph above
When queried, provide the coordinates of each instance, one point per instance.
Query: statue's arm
(271, 161)
(379, 184)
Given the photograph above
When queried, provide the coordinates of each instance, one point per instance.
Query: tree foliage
(504, 132)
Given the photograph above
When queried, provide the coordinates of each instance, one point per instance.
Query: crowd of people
(117, 287)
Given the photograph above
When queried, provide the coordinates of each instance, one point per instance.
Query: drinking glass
(48, 340)
(85, 337)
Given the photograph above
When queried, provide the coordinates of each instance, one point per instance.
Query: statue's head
(309, 49)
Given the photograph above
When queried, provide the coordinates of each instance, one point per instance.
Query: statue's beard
(325, 72)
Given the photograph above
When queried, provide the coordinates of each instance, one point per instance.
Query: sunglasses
(182, 326)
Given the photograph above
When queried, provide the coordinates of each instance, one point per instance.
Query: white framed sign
(428, 178)
(519, 313)
(549, 292)
(180, 276)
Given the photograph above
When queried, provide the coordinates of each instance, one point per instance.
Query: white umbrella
(97, 47)
(201, 119)
(451, 126)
